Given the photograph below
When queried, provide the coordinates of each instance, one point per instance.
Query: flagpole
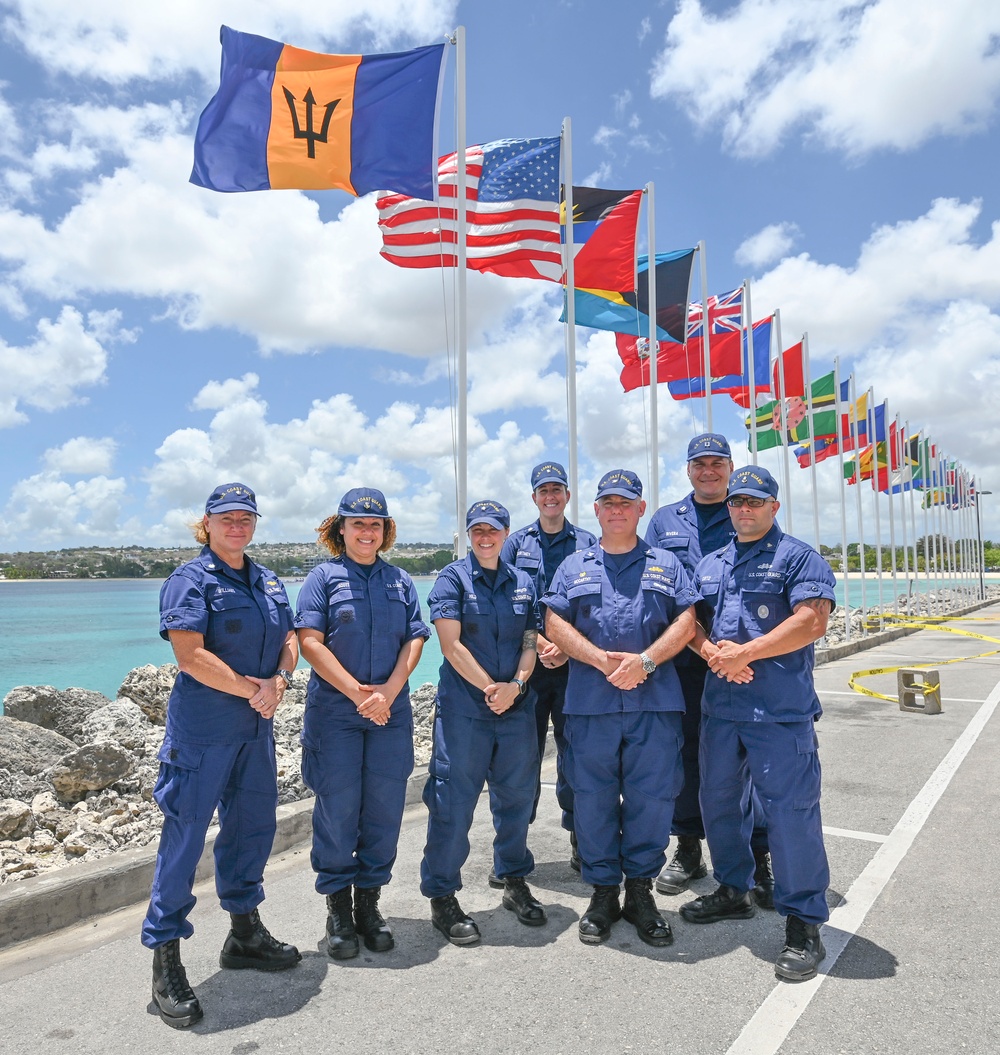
(461, 304)
(782, 412)
(706, 340)
(873, 444)
(747, 339)
(901, 457)
(570, 268)
(843, 501)
(807, 370)
(888, 442)
(853, 417)
(913, 515)
(654, 353)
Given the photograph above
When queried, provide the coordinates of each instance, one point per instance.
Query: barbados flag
(284, 117)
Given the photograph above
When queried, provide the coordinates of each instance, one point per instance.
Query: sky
(157, 338)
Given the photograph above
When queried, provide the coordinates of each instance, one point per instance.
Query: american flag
(512, 213)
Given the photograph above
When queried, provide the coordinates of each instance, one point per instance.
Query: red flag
(795, 382)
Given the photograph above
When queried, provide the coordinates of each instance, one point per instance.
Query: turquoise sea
(91, 633)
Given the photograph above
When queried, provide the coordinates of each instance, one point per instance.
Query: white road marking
(846, 833)
(777, 1015)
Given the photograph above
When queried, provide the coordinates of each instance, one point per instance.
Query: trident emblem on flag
(309, 134)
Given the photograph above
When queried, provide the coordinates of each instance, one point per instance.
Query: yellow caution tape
(921, 623)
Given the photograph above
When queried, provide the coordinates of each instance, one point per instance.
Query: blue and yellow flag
(284, 117)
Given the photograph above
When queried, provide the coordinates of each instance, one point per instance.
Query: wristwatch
(647, 664)
(287, 676)
(522, 686)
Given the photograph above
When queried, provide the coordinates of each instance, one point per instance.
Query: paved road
(910, 806)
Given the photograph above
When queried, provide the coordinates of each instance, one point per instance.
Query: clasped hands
(726, 659)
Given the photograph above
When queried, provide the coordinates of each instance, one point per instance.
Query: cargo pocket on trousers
(437, 790)
(315, 775)
(176, 789)
(807, 787)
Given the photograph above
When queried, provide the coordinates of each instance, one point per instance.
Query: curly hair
(331, 534)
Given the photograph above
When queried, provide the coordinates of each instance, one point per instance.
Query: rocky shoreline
(77, 769)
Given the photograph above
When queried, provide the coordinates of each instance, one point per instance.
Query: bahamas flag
(284, 117)
(628, 312)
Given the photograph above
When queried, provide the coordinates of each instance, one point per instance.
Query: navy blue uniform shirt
(244, 624)
(494, 620)
(365, 620)
(623, 610)
(744, 597)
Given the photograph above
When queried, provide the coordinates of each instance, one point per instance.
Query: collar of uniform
(685, 508)
(567, 529)
(640, 552)
(476, 569)
(212, 563)
(769, 543)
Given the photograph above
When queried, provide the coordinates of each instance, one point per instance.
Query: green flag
(798, 425)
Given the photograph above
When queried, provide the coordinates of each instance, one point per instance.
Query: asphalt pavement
(910, 807)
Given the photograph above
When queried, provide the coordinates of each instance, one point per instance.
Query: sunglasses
(746, 500)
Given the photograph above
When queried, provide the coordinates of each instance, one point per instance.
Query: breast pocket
(585, 605)
(230, 612)
(762, 610)
(343, 611)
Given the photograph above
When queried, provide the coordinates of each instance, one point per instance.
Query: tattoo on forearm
(529, 641)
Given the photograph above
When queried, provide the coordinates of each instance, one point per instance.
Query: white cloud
(66, 355)
(767, 245)
(119, 40)
(47, 510)
(82, 456)
(855, 76)
(217, 394)
(265, 265)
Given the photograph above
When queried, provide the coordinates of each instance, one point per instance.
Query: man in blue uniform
(766, 598)
(696, 525)
(621, 611)
(539, 549)
(486, 616)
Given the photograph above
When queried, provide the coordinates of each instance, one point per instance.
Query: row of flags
(284, 117)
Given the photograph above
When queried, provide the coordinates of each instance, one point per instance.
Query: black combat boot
(448, 917)
(725, 902)
(369, 922)
(603, 910)
(803, 951)
(250, 944)
(518, 898)
(641, 911)
(685, 866)
(763, 891)
(173, 997)
(341, 938)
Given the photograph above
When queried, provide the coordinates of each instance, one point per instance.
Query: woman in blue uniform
(359, 626)
(230, 626)
(485, 614)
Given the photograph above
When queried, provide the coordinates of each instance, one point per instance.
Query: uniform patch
(763, 611)
(234, 626)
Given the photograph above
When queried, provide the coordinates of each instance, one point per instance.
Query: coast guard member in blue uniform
(691, 528)
(621, 611)
(485, 614)
(359, 627)
(766, 598)
(230, 626)
(539, 549)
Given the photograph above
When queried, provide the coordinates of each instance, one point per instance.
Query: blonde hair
(331, 536)
(199, 531)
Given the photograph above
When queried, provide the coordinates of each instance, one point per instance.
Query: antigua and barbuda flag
(288, 118)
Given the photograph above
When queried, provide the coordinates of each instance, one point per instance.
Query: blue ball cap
(548, 473)
(753, 480)
(227, 497)
(487, 512)
(622, 482)
(709, 445)
(363, 502)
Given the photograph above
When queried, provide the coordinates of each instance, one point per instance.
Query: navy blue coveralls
(357, 769)
(217, 751)
(764, 731)
(676, 527)
(474, 746)
(540, 554)
(623, 748)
